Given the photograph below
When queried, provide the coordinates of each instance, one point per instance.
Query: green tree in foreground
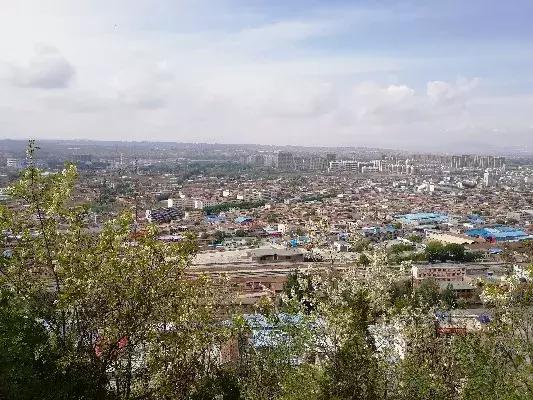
(90, 315)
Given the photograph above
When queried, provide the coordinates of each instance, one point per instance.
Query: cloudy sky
(412, 74)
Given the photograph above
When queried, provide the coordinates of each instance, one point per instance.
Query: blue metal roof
(240, 220)
(214, 218)
(498, 232)
(423, 217)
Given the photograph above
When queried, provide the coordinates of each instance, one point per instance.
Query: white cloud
(439, 91)
(47, 69)
(146, 86)
(260, 81)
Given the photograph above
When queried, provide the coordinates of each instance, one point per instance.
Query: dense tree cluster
(87, 315)
(436, 251)
(242, 205)
(433, 252)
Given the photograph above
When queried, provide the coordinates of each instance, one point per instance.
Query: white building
(488, 179)
(343, 165)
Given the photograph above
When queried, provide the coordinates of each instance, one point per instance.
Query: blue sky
(374, 73)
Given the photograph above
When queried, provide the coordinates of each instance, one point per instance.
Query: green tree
(428, 370)
(219, 236)
(363, 260)
(352, 371)
(455, 252)
(449, 297)
(435, 251)
(30, 364)
(427, 294)
(361, 245)
(401, 247)
(272, 218)
(116, 307)
(222, 383)
(415, 238)
(304, 382)
(298, 287)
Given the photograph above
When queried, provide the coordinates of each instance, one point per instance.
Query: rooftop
(499, 233)
(423, 216)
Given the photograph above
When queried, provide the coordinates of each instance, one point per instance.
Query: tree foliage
(436, 251)
(113, 312)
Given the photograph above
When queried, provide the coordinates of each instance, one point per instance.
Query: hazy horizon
(510, 151)
(447, 76)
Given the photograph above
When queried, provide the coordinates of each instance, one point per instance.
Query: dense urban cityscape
(446, 229)
(259, 213)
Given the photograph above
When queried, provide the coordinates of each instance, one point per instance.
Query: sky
(420, 75)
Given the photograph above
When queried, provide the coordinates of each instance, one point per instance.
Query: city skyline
(415, 77)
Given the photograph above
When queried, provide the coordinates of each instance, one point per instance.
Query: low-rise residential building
(438, 272)
(279, 255)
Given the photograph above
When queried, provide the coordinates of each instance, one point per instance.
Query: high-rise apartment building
(286, 161)
(475, 161)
